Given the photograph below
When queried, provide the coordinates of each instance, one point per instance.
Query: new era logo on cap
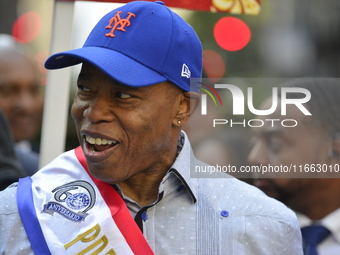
(185, 71)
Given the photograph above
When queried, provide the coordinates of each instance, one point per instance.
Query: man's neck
(143, 188)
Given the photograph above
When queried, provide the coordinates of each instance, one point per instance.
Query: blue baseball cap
(140, 44)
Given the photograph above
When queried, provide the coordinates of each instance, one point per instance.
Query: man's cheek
(77, 111)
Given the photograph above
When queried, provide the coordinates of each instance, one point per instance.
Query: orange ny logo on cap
(117, 20)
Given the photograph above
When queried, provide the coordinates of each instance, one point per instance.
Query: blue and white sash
(65, 210)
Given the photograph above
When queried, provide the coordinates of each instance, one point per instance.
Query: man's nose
(258, 155)
(25, 102)
(100, 109)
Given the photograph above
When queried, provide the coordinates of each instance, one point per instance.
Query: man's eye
(83, 88)
(274, 144)
(9, 90)
(123, 95)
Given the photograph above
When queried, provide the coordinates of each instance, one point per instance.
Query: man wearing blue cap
(127, 188)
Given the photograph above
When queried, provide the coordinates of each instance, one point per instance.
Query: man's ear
(189, 102)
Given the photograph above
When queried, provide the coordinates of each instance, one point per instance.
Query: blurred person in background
(22, 103)
(315, 140)
(10, 168)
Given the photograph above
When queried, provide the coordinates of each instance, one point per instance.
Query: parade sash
(65, 210)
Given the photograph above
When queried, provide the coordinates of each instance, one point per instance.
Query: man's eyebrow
(273, 132)
(84, 76)
(89, 77)
(125, 87)
(270, 131)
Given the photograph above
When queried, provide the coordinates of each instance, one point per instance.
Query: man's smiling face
(123, 130)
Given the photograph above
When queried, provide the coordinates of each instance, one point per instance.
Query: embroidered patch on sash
(78, 201)
(73, 201)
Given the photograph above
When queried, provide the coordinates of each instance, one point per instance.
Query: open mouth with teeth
(99, 144)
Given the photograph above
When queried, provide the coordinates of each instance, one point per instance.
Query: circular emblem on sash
(78, 201)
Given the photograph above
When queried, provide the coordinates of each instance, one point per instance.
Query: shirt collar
(331, 222)
(181, 168)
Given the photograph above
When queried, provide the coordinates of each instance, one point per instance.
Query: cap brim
(118, 66)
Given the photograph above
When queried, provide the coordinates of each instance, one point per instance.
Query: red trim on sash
(119, 212)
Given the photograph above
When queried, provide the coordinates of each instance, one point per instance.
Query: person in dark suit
(10, 168)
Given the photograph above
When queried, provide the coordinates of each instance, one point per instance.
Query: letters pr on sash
(86, 237)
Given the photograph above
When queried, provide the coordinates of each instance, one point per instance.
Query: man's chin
(105, 175)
